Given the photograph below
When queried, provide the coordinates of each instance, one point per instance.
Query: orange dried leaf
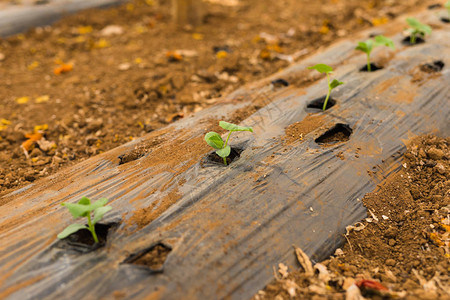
(22, 100)
(174, 56)
(63, 68)
(32, 139)
(221, 54)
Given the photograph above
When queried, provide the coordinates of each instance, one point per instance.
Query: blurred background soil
(100, 78)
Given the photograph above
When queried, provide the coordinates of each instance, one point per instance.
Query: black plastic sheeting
(19, 18)
(232, 225)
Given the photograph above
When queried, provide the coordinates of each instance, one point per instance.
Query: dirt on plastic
(98, 79)
(401, 250)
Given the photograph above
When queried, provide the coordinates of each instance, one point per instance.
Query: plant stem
(329, 92)
(369, 69)
(226, 143)
(92, 228)
(412, 40)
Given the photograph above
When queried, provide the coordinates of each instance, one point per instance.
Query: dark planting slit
(217, 160)
(82, 240)
(339, 133)
(407, 41)
(152, 258)
(373, 68)
(318, 103)
(435, 66)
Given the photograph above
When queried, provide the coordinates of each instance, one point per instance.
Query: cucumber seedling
(322, 68)
(369, 45)
(416, 29)
(84, 208)
(447, 6)
(215, 140)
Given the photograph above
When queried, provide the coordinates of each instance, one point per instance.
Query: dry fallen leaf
(357, 227)
(63, 68)
(22, 100)
(304, 261)
(42, 99)
(283, 270)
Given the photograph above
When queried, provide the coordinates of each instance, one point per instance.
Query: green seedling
(322, 68)
(367, 46)
(215, 140)
(447, 6)
(416, 29)
(84, 208)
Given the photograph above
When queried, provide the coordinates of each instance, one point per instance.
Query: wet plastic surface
(230, 225)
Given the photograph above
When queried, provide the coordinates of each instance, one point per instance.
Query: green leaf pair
(322, 68)
(369, 45)
(215, 140)
(84, 208)
(417, 28)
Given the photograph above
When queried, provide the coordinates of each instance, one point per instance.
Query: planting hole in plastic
(217, 160)
(435, 66)
(407, 41)
(82, 240)
(339, 133)
(434, 6)
(373, 68)
(445, 20)
(318, 103)
(152, 258)
(280, 82)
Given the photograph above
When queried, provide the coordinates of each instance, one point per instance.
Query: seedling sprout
(367, 46)
(322, 68)
(215, 140)
(417, 28)
(447, 6)
(84, 208)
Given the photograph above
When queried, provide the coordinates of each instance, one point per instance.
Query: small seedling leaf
(77, 210)
(84, 201)
(418, 26)
(447, 6)
(322, 68)
(365, 47)
(82, 210)
(335, 83)
(384, 41)
(224, 152)
(70, 229)
(99, 212)
(99, 203)
(214, 140)
(233, 127)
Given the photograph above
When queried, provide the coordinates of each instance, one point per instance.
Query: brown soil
(73, 90)
(400, 250)
(154, 258)
(299, 130)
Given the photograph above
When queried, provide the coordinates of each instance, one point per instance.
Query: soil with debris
(98, 79)
(401, 250)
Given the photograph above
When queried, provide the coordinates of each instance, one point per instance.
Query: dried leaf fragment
(63, 68)
(304, 261)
